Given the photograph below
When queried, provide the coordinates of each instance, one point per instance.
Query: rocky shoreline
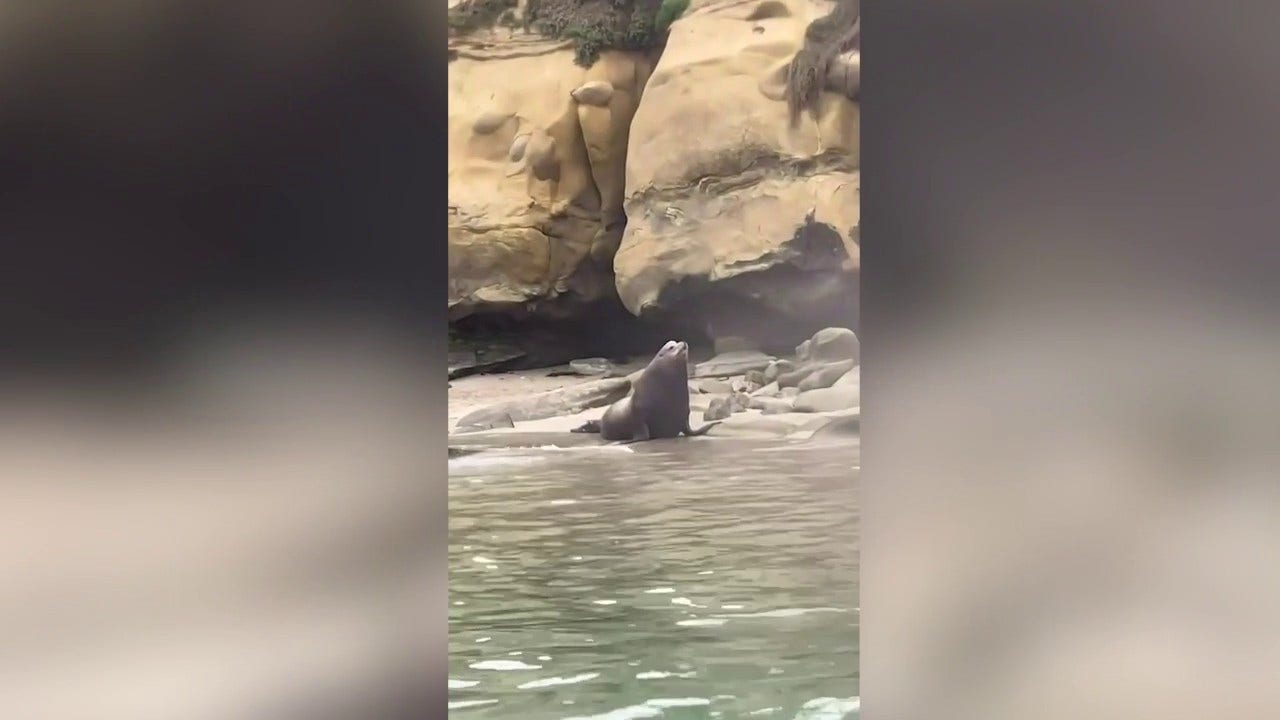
(752, 393)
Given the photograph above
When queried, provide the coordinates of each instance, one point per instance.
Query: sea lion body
(658, 406)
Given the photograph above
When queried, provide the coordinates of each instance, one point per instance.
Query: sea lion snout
(674, 347)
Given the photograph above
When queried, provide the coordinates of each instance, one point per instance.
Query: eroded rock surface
(669, 180)
(724, 198)
(537, 154)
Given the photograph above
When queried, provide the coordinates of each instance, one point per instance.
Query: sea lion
(658, 406)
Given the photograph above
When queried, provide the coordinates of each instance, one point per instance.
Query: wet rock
(593, 366)
(720, 408)
(756, 378)
(829, 344)
(744, 385)
(852, 378)
(486, 419)
(739, 401)
(562, 401)
(796, 377)
(733, 363)
(771, 406)
(840, 427)
(825, 376)
(828, 399)
(770, 390)
(776, 368)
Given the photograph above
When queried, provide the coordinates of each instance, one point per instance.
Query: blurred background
(219, 416)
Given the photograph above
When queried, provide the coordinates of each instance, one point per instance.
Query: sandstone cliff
(676, 179)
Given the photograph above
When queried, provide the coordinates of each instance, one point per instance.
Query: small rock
(825, 376)
(596, 93)
(489, 122)
(733, 363)
(793, 378)
(756, 378)
(516, 152)
(770, 406)
(592, 366)
(739, 401)
(743, 385)
(830, 344)
(770, 390)
(827, 399)
(734, 343)
(776, 368)
(803, 350)
(719, 409)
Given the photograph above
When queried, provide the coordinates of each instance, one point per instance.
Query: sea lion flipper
(700, 431)
(590, 426)
(641, 433)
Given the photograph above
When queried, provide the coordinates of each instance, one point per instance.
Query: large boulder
(537, 154)
(733, 212)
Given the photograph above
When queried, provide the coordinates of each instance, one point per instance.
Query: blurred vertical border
(222, 433)
(1069, 253)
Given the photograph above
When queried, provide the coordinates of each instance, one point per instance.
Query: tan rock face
(717, 182)
(537, 154)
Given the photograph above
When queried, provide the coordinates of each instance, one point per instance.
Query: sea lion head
(672, 356)
(674, 349)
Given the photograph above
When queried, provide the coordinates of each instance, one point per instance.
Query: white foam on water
(483, 639)
(677, 702)
(702, 622)
(585, 448)
(604, 602)
(686, 602)
(829, 708)
(553, 681)
(631, 712)
(544, 658)
(659, 674)
(764, 711)
(648, 709)
(460, 684)
(459, 704)
(731, 607)
(780, 613)
(565, 501)
(482, 560)
(501, 665)
(660, 591)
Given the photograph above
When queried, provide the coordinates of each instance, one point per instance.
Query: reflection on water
(691, 578)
